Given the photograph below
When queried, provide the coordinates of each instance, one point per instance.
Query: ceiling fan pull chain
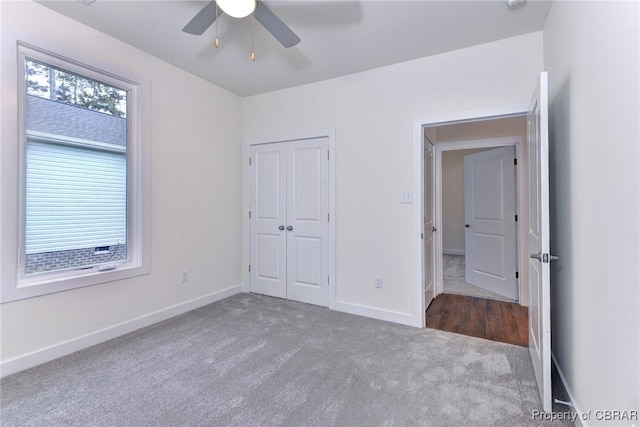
(217, 42)
(253, 36)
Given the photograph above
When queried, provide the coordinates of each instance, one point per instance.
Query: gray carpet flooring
(251, 360)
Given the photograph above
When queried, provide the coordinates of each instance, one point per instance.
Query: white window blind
(76, 197)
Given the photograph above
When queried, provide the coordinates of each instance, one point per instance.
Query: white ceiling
(338, 37)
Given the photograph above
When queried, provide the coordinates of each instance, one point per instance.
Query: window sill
(53, 283)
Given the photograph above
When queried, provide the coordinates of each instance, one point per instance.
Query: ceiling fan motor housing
(515, 3)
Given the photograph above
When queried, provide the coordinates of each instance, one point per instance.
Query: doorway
(478, 206)
(479, 135)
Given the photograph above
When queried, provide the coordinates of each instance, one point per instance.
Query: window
(76, 171)
(82, 175)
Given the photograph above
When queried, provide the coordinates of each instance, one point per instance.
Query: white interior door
(308, 221)
(290, 220)
(428, 226)
(490, 209)
(538, 241)
(268, 176)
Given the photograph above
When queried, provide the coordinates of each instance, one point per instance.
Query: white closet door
(268, 220)
(290, 220)
(308, 221)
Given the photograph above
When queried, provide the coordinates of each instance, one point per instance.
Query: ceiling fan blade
(202, 20)
(275, 26)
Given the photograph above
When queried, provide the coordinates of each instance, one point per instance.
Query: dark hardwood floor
(478, 317)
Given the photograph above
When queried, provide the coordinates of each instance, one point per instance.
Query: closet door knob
(281, 228)
(467, 225)
(290, 228)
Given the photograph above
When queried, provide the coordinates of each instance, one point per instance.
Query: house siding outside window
(76, 197)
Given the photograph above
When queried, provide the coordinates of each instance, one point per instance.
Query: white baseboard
(47, 354)
(376, 313)
(453, 251)
(574, 407)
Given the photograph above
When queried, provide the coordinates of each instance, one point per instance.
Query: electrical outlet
(185, 277)
(378, 281)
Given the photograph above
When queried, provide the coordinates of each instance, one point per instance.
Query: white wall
(591, 51)
(372, 113)
(195, 201)
(506, 126)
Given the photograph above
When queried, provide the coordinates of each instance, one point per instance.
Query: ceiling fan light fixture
(237, 8)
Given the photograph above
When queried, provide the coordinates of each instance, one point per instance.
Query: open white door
(428, 226)
(489, 211)
(538, 229)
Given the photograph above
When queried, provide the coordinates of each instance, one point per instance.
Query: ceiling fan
(240, 9)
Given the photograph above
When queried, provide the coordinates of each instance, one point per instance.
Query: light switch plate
(406, 197)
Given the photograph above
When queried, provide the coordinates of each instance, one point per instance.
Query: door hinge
(516, 217)
(249, 161)
(249, 214)
(515, 162)
(328, 280)
(328, 218)
(517, 275)
(249, 268)
(328, 155)
(422, 235)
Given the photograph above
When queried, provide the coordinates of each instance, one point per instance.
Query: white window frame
(14, 284)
